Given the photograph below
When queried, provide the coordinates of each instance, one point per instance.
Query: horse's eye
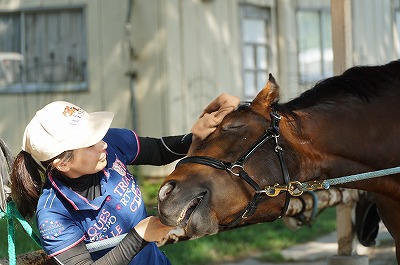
(232, 126)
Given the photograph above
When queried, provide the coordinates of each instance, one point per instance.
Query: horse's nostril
(166, 190)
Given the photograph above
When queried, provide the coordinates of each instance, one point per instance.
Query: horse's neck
(333, 141)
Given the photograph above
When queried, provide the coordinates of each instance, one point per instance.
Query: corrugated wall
(109, 87)
(189, 51)
(373, 25)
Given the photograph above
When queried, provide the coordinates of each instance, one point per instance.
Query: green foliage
(23, 241)
(266, 238)
(149, 188)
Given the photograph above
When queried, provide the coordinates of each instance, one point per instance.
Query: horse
(344, 125)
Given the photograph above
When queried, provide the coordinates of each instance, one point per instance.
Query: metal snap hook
(278, 148)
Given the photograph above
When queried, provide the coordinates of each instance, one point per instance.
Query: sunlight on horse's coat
(345, 125)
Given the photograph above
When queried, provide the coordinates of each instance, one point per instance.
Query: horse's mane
(363, 82)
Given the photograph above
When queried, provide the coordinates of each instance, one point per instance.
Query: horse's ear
(267, 96)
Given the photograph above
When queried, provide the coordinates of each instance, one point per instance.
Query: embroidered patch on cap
(74, 114)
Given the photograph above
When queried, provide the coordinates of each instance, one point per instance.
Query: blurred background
(157, 63)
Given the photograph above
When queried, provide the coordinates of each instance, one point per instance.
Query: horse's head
(215, 186)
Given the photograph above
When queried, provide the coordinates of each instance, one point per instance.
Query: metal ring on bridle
(272, 132)
(233, 167)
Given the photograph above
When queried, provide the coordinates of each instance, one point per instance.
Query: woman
(88, 194)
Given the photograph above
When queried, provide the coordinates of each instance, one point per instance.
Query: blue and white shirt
(66, 218)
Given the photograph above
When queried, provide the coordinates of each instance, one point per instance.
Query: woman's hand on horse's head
(222, 104)
(213, 114)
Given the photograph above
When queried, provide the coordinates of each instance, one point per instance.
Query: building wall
(373, 26)
(189, 52)
(183, 53)
(109, 86)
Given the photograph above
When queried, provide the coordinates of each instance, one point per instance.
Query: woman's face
(88, 160)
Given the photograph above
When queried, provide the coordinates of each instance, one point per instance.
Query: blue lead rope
(296, 188)
(11, 213)
(362, 176)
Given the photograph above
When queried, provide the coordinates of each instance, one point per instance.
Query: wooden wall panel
(373, 41)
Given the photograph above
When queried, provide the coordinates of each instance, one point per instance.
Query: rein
(237, 169)
(325, 184)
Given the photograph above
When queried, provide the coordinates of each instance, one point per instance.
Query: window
(43, 51)
(256, 47)
(315, 54)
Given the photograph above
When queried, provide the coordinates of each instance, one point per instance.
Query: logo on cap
(75, 114)
(69, 110)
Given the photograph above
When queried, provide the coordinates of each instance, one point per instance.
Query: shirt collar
(76, 200)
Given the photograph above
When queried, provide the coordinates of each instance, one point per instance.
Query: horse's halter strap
(237, 169)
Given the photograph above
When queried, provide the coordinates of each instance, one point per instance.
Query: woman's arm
(162, 151)
(147, 230)
(165, 150)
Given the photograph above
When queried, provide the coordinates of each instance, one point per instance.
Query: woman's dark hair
(27, 178)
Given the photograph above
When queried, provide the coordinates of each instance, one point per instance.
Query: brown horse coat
(344, 125)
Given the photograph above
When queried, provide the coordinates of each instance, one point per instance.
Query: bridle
(237, 169)
(294, 188)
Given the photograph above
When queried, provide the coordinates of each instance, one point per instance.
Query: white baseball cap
(61, 126)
